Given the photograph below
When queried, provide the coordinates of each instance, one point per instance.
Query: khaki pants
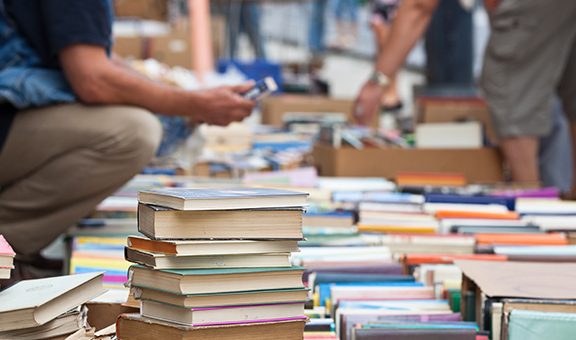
(59, 162)
(530, 58)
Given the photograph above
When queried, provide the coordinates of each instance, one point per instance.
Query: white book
(32, 303)
(467, 135)
(544, 206)
(222, 199)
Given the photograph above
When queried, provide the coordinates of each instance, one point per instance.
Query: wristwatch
(380, 79)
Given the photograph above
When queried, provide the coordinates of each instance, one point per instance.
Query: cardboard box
(129, 47)
(145, 9)
(439, 110)
(274, 108)
(478, 165)
(172, 49)
(101, 315)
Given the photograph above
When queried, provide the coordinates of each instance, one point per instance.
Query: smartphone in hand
(261, 89)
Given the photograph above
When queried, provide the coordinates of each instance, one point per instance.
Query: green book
(532, 325)
(454, 299)
(204, 281)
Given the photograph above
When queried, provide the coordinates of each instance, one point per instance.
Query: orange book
(430, 179)
(440, 214)
(521, 239)
(417, 259)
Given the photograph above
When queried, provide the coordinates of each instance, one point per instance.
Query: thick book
(202, 281)
(137, 327)
(414, 334)
(33, 303)
(6, 256)
(62, 326)
(368, 293)
(210, 247)
(161, 261)
(161, 223)
(217, 316)
(222, 199)
(223, 299)
(552, 239)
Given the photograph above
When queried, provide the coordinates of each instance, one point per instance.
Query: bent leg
(60, 162)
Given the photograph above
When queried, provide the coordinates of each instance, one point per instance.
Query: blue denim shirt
(23, 82)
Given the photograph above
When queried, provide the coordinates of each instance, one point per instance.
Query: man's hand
(222, 105)
(97, 80)
(367, 104)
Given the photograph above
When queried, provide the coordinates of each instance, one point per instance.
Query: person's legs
(449, 47)
(522, 156)
(59, 162)
(555, 155)
(524, 60)
(317, 28)
(232, 11)
(567, 92)
(250, 23)
(390, 98)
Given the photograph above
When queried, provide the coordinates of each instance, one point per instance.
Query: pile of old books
(48, 308)
(216, 265)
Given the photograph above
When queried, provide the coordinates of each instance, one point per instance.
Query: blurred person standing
(383, 12)
(346, 15)
(449, 44)
(244, 17)
(530, 57)
(317, 30)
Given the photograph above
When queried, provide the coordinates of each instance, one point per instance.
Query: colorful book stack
(216, 265)
(6, 259)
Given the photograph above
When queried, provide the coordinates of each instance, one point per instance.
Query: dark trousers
(449, 45)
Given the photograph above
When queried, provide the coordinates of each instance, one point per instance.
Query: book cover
(534, 280)
(31, 303)
(137, 327)
(221, 199)
(222, 271)
(5, 248)
(533, 325)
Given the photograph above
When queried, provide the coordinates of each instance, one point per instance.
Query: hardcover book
(222, 199)
(161, 223)
(33, 303)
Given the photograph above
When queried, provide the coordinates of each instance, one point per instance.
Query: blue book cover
(508, 202)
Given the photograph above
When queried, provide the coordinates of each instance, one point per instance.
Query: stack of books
(216, 264)
(6, 258)
(48, 308)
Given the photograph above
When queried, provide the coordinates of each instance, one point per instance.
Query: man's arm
(98, 80)
(412, 18)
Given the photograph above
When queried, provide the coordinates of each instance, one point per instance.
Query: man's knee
(142, 132)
